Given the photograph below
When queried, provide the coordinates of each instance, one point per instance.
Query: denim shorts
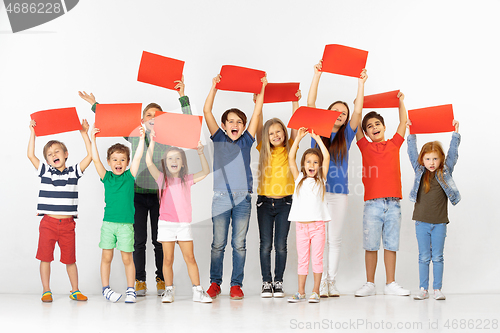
(381, 217)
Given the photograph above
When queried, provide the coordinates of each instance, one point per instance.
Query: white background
(436, 52)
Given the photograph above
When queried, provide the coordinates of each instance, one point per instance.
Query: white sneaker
(422, 294)
(332, 291)
(368, 289)
(314, 298)
(395, 289)
(168, 295)
(110, 295)
(130, 295)
(438, 295)
(323, 289)
(199, 295)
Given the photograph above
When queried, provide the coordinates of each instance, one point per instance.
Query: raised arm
(183, 99)
(411, 141)
(359, 134)
(136, 161)
(358, 102)
(295, 106)
(205, 168)
(452, 156)
(292, 155)
(324, 151)
(31, 146)
(403, 116)
(313, 90)
(101, 170)
(257, 111)
(153, 170)
(260, 126)
(207, 108)
(88, 146)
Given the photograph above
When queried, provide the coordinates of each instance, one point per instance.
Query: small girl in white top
(309, 211)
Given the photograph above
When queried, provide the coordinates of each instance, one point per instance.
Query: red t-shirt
(381, 169)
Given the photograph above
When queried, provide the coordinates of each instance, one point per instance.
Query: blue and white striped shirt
(58, 190)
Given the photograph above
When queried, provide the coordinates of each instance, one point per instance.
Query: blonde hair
(50, 144)
(318, 177)
(266, 147)
(432, 147)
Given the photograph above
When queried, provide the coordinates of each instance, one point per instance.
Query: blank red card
(118, 119)
(435, 119)
(384, 100)
(281, 92)
(179, 130)
(343, 60)
(56, 121)
(242, 79)
(159, 70)
(319, 120)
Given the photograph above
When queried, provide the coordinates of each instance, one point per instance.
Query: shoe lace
(278, 285)
(266, 286)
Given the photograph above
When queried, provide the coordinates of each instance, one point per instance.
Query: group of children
(313, 194)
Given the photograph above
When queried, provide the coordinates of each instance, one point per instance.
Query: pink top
(175, 205)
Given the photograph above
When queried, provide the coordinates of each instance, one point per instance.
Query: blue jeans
(273, 214)
(430, 239)
(229, 209)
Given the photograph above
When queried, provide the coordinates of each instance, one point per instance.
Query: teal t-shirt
(119, 197)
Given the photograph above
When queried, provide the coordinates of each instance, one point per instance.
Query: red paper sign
(118, 119)
(56, 121)
(176, 129)
(234, 78)
(159, 70)
(384, 100)
(435, 119)
(281, 92)
(319, 120)
(343, 60)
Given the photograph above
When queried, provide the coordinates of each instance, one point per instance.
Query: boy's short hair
(118, 148)
(238, 112)
(151, 106)
(50, 144)
(369, 116)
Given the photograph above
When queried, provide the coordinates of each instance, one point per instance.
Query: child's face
(343, 114)
(276, 135)
(149, 118)
(233, 126)
(432, 161)
(56, 157)
(118, 163)
(311, 165)
(174, 162)
(375, 130)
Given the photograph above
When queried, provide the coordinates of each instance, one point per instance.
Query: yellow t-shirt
(278, 180)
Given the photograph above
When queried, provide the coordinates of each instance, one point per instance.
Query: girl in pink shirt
(174, 224)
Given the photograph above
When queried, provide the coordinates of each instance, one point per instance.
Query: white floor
(458, 313)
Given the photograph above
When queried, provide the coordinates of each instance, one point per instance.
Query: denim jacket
(449, 186)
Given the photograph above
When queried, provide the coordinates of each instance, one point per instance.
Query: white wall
(435, 52)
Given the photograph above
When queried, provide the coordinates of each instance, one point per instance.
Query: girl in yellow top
(276, 186)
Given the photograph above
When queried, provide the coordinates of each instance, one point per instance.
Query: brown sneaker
(140, 288)
(160, 286)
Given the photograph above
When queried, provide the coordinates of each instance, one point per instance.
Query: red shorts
(61, 231)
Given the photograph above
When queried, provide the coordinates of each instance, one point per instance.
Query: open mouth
(234, 132)
(118, 169)
(56, 161)
(173, 167)
(376, 133)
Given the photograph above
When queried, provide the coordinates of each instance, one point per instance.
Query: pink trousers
(310, 238)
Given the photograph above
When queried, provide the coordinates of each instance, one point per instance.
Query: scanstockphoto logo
(25, 15)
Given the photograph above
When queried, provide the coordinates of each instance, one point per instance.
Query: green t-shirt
(119, 197)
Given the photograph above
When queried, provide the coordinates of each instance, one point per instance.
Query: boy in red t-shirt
(382, 211)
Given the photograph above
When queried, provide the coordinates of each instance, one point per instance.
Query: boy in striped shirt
(58, 204)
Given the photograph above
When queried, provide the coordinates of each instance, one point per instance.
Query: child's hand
(216, 80)
(408, 123)
(32, 125)
(363, 76)
(302, 133)
(315, 136)
(455, 123)
(318, 66)
(180, 86)
(142, 133)
(254, 98)
(298, 94)
(264, 80)
(200, 148)
(86, 97)
(94, 132)
(152, 134)
(85, 126)
(401, 96)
